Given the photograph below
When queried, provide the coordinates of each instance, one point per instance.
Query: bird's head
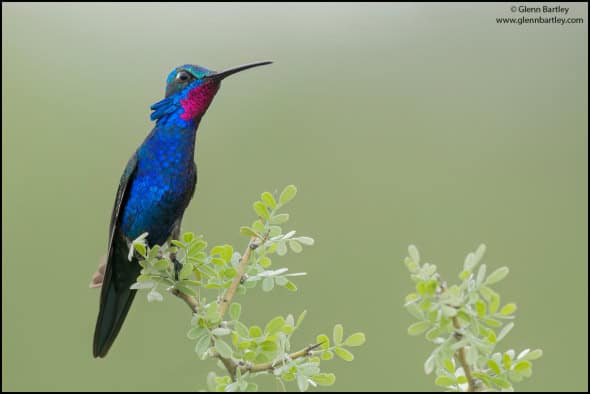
(190, 90)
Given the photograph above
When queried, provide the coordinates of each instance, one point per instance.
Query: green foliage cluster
(205, 277)
(466, 322)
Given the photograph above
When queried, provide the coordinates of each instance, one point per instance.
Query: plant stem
(472, 384)
(190, 300)
(229, 294)
(270, 366)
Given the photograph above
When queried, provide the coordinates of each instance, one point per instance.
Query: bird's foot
(177, 267)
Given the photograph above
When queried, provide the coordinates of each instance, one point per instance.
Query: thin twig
(472, 383)
(229, 294)
(271, 366)
(190, 300)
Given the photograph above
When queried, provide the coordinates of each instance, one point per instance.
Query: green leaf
(356, 339)
(507, 361)
(183, 288)
(140, 248)
(302, 383)
(261, 210)
(235, 310)
(290, 286)
(177, 243)
(494, 366)
(414, 254)
(469, 263)
(281, 248)
(265, 262)
(143, 284)
(480, 252)
(327, 355)
(154, 251)
(497, 275)
(288, 377)
(255, 332)
(338, 334)
(287, 194)
(494, 303)
(258, 226)
(448, 311)
(223, 348)
(268, 284)
(461, 379)
(280, 218)
(324, 340)
(241, 329)
(202, 345)
(268, 346)
(221, 331)
(491, 322)
(212, 313)
(501, 382)
(433, 333)
(306, 240)
(505, 330)
(196, 247)
(445, 381)
(415, 311)
(429, 364)
(411, 265)
(464, 275)
(535, 354)
(185, 271)
(162, 265)
(154, 296)
(269, 200)
(324, 379)
(249, 232)
(344, 354)
(481, 274)
(508, 309)
(418, 328)
(523, 364)
(188, 237)
(295, 246)
(449, 366)
(196, 332)
(275, 325)
(300, 319)
(480, 307)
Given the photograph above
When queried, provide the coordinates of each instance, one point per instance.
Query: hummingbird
(155, 189)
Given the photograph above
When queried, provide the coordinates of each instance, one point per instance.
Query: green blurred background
(422, 123)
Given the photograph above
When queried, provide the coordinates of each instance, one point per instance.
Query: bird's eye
(183, 76)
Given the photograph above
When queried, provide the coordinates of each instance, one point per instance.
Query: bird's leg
(177, 265)
(175, 235)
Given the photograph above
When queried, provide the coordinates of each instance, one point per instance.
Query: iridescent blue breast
(163, 185)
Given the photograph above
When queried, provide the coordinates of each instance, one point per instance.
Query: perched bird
(155, 189)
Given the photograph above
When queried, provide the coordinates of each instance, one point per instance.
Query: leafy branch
(461, 320)
(208, 282)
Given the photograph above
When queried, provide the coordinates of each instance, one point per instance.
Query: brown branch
(190, 300)
(472, 383)
(230, 365)
(270, 366)
(229, 294)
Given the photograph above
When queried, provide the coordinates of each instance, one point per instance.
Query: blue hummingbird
(155, 189)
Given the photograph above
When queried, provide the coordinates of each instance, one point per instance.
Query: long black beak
(226, 73)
